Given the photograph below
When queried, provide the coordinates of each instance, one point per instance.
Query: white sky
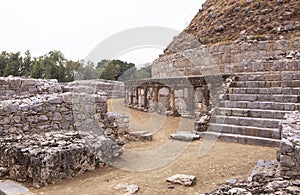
(75, 27)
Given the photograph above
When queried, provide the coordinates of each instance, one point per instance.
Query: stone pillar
(145, 98)
(139, 93)
(156, 97)
(191, 96)
(131, 96)
(205, 100)
(126, 99)
(136, 102)
(172, 100)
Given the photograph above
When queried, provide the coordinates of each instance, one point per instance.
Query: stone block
(286, 146)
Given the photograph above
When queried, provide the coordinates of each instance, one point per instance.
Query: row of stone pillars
(162, 99)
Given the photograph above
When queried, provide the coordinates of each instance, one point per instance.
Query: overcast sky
(75, 27)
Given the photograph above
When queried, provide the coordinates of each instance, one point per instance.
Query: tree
(26, 65)
(13, 64)
(3, 62)
(71, 70)
(111, 72)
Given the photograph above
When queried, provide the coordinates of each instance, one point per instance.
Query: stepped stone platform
(254, 107)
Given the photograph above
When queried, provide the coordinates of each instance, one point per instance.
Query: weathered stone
(278, 184)
(130, 188)
(182, 179)
(286, 161)
(184, 136)
(43, 118)
(239, 191)
(3, 171)
(57, 116)
(286, 146)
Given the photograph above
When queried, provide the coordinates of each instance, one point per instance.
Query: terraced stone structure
(252, 50)
(47, 136)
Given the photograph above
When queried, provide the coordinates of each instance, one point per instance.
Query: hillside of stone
(239, 20)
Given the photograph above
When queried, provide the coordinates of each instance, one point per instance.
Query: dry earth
(148, 164)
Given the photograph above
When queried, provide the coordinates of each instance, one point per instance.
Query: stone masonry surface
(113, 89)
(248, 56)
(48, 137)
(289, 151)
(16, 87)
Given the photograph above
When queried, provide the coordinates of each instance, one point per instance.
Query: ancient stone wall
(250, 56)
(113, 89)
(50, 112)
(289, 150)
(14, 87)
(46, 138)
(117, 126)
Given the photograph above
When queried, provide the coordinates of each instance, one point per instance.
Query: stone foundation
(289, 150)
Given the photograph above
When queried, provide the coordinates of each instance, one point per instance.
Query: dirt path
(154, 161)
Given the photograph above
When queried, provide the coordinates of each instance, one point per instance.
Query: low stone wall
(46, 138)
(289, 151)
(229, 58)
(117, 125)
(65, 111)
(15, 87)
(113, 89)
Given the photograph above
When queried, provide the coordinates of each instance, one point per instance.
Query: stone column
(172, 100)
(131, 96)
(139, 97)
(126, 99)
(205, 99)
(136, 96)
(156, 96)
(145, 98)
(191, 97)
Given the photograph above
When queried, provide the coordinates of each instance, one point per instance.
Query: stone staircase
(253, 108)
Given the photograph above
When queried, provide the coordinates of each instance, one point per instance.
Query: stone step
(256, 113)
(242, 139)
(266, 66)
(264, 98)
(242, 130)
(260, 105)
(274, 76)
(271, 90)
(246, 121)
(266, 84)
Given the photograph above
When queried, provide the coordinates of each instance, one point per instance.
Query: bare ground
(148, 164)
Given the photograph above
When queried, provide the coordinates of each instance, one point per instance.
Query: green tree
(26, 64)
(111, 72)
(3, 62)
(71, 70)
(13, 64)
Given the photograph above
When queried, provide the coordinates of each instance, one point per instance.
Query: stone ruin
(238, 92)
(235, 69)
(48, 133)
(289, 150)
(113, 89)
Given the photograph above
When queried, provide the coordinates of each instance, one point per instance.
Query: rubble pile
(263, 180)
